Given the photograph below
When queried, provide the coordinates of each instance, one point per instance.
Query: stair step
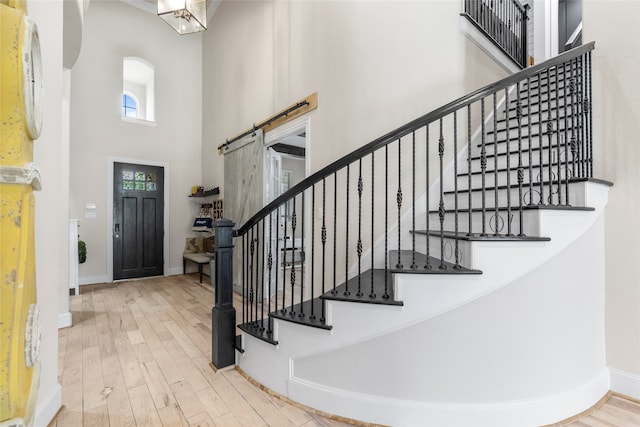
(480, 238)
(349, 291)
(436, 266)
(260, 330)
(302, 314)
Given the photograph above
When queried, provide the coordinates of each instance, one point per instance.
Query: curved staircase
(463, 287)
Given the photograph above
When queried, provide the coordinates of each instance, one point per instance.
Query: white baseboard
(48, 407)
(90, 280)
(625, 383)
(173, 271)
(64, 320)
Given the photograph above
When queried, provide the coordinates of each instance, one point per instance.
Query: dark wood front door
(138, 221)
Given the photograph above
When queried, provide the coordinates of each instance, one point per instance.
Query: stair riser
(530, 223)
(575, 197)
(476, 179)
(464, 250)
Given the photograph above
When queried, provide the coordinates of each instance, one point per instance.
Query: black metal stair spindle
(508, 142)
(335, 228)
(413, 201)
(261, 299)
(346, 252)
(559, 145)
(359, 244)
(470, 212)
(399, 201)
(483, 168)
(455, 189)
(441, 211)
(496, 205)
(323, 236)
(580, 114)
(277, 257)
(530, 166)
(520, 168)
(312, 316)
(245, 289)
(550, 137)
(566, 139)
(284, 258)
(303, 254)
(270, 267)
(252, 248)
(256, 266)
(372, 294)
(294, 221)
(540, 139)
(589, 110)
(427, 266)
(574, 143)
(386, 222)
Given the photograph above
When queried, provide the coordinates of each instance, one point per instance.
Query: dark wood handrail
(410, 127)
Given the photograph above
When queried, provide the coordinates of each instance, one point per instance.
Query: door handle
(117, 230)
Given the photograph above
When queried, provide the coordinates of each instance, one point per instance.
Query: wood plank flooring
(138, 354)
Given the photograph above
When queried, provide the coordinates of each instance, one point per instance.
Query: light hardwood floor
(138, 354)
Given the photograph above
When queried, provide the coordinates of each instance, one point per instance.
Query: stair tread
(302, 314)
(258, 329)
(436, 265)
(365, 282)
(476, 237)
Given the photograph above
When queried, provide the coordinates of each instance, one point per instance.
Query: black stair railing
(504, 22)
(434, 177)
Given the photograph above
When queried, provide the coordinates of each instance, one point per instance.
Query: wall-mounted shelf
(213, 192)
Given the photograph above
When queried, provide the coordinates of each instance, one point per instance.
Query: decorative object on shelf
(204, 221)
(82, 251)
(200, 191)
(184, 16)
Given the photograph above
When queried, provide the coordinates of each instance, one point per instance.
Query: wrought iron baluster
(270, 267)
(359, 244)
(508, 154)
(312, 316)
(572, 101)
(335, 228)
(323, 235)
(261, 270)
(589, 107)
(540, 139)
(549, 137)
(252, 247)
(285, 256)
(483, 167)
(581, 118)
(427, 266)
(277, 258)
(372, 294)
(257, 272)
(386, 217)
(496, 204)
(469, 175)
(558, 141)
(520, 168)
(413, 201)
(399, 201)
(303, 255)
(530, 165)
(566, 139)
(346, 254)
(455, 188)
(245, 289)
(292, 256)
(441, 211)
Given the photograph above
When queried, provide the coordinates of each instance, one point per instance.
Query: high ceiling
(151, 6)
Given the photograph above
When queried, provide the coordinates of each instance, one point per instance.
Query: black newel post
(223, 313)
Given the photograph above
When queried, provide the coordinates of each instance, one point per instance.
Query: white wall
(114, 30)
(375, 66)
(51, 154)
(616, 98)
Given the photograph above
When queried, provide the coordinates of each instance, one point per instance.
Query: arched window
(129, 106)
(138, 89)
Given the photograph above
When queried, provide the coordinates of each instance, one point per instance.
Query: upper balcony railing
(504, 22)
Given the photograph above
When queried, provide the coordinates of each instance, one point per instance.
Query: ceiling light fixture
(184, 16)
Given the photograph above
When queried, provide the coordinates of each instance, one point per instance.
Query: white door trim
(165, 243)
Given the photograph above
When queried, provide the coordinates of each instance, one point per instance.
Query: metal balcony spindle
(558, 142)
(540, 139)
(483, 167)
(577, 167)
(520, 168)
(335, 228)
(508, 153)
(455, 188)
(312, 316)
(469, 175)
(359, 244)
(373, 192)
(530, 165)
(581, 118)
(346, 245)
(291, 258)
(441, 211)
(244, 279)
(549, 137)
(496, 199)
(323, 237)
(303, 254)
(413, 201)
(252, 248)
(386, 222)
(257, 268)
(277, 250)
(427, 266)
(399, 201)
